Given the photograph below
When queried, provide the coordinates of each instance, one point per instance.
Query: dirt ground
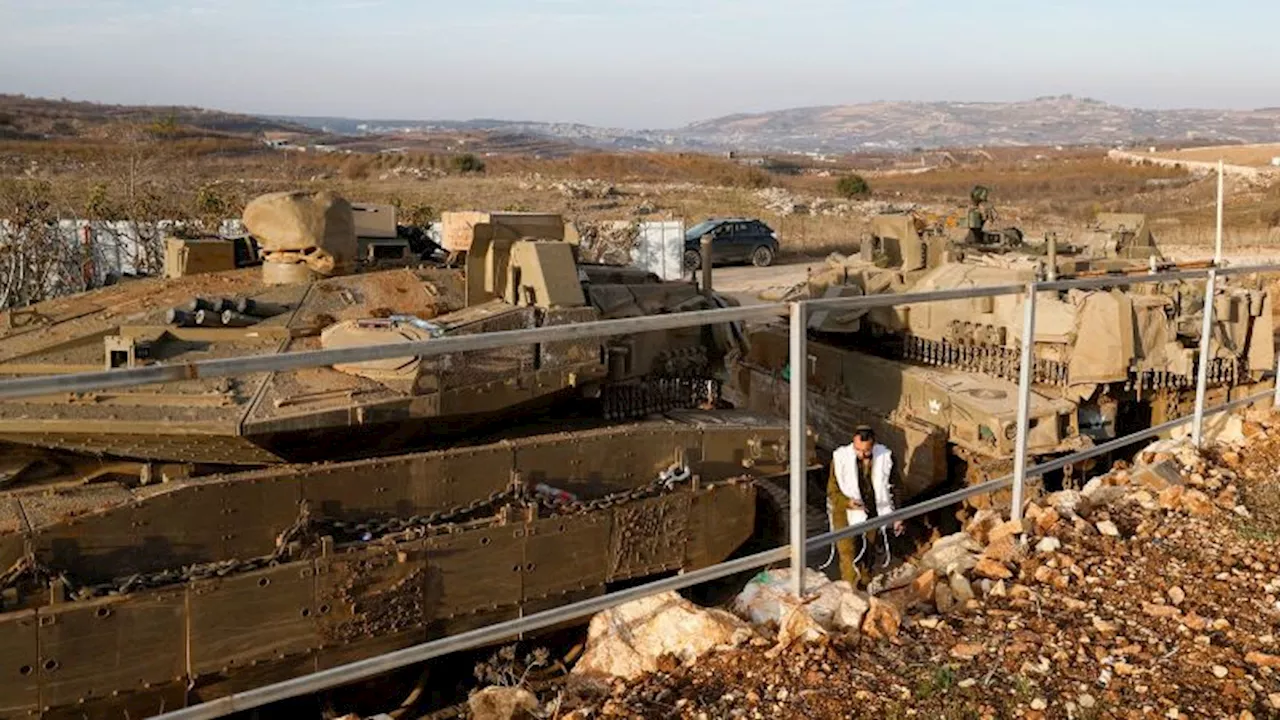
(1152, 606)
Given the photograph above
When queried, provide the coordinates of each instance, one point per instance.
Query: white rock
(957, 553)
(502, 703)
(626, 641)
(1039, 704)
(1108, 528)
(1068, 503)
(1219, 671)
(1049, 544)
(899, 577)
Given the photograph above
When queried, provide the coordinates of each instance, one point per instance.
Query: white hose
(831, 554)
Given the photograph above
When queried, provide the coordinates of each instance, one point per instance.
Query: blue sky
(635, 63)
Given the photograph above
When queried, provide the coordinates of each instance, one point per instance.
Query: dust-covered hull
(940, 379)
(142, 598)
(293, 415)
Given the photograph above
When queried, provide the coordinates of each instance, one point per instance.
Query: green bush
(468, 164)
(851, 186)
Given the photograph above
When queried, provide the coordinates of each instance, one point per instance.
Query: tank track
(636, 399)
(1005, 362)
(816, 522)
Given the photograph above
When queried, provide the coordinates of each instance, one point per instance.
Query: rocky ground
(1152, 592)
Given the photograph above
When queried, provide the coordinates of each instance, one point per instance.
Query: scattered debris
(1145, 595)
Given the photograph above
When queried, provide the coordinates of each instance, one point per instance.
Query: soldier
(858, 488)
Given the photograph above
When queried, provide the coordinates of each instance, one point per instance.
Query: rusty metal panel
(19, 663)
(721, 519)
(825, 367)
(168, 530)
(599, 462)
(90, 649)
(559, 599)
(767, 394)
(13, 547)
(564, 554)
(402, 487)
(212, 687)
(333, 656)
(733, 451)
(254, 513)
(140, 704)
(467, 474)
(195, 524)
(357, 491)
(372, 591)
(259, 615)
(474, 570)
(649, 536)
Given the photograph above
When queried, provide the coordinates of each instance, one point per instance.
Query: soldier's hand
(898, 529)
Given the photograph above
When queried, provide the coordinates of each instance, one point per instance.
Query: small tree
(852, 186)
(468, 163)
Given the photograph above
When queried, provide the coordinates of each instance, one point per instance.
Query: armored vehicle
(307, 296)
(939, 380)
(173, 543)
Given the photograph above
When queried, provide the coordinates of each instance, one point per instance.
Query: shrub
(851, 186)
(468, 164)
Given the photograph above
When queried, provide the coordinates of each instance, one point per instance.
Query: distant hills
(23, 117)
(1055, 120)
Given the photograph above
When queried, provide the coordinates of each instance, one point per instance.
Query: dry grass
(137, 174)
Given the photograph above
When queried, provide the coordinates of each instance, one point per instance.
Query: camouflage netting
(608, 243)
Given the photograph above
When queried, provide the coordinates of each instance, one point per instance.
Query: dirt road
(745, 283)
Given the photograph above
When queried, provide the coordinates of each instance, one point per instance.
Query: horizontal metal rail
(860, 302)
(227, 367)
(371, 667)
(363, 669)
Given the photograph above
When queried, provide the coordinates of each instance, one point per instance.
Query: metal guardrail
(798, 544)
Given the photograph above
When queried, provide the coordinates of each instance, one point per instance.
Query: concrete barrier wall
(1195, 166)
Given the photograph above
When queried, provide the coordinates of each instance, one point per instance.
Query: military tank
(305, 296)
(173, 543)
(939, 380)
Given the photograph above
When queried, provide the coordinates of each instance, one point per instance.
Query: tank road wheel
(762, 256)
(692, 260)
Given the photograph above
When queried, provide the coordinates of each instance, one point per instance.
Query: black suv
(732, 240)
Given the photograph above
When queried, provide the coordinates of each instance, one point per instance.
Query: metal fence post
(1202, 371)
(799, 463)
(1275, 400)
(1024, 399)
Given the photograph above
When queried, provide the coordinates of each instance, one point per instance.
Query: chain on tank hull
(186, 591)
